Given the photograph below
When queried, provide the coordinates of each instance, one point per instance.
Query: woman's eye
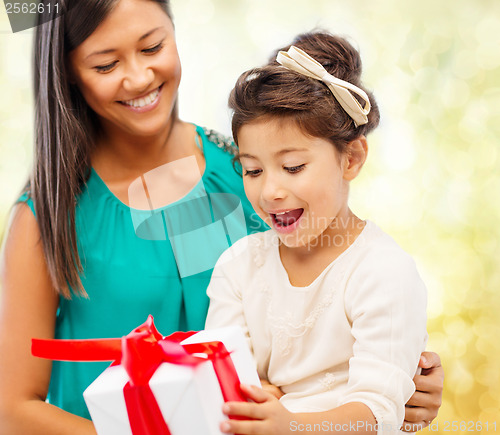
(252, 173)
(294, 169)
(106, 68)
(154, 49)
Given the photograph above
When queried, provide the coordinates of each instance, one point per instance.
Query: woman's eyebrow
(149, 33)
(111, 50)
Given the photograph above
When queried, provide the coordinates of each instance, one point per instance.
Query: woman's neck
(121, 156)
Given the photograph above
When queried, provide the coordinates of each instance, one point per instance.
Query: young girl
(333, 308)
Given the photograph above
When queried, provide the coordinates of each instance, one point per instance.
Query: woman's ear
(355, 156)
(71, 77)
(70, 73)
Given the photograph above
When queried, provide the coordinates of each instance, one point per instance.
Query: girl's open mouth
(286, 221)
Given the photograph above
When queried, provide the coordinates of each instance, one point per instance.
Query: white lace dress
(353, 335)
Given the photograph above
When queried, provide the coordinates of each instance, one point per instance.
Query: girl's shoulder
(251, 250)
(376, 253)
(375, 241)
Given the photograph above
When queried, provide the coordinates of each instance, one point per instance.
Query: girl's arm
(226, 305)
(423, 406)
(266, 415)
(28, 305)
(273, 418)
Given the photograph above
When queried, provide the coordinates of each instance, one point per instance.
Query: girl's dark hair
(65, 132)
(276, 92)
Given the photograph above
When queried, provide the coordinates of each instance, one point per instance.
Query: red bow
(140, 353)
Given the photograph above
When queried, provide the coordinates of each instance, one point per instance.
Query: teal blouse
(155, 262)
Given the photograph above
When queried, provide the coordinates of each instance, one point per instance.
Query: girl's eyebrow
(111, 50)
(245, 156)
(276, 154)
(289, 150)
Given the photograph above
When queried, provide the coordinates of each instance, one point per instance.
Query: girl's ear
(355, 157)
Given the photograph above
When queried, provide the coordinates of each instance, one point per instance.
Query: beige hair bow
(297, 60)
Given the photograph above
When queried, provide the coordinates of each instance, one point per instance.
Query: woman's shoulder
(220, 141)
(26, 198)
(22, 234)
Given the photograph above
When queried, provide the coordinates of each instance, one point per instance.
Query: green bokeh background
(432, 179)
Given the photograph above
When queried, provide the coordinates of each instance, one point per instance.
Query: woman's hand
(270, 388)
(266, 415)
(424, 405)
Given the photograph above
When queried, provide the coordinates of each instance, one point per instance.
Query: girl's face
(128, 70)
(295, 182)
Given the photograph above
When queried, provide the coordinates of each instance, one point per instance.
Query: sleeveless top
(141, 262)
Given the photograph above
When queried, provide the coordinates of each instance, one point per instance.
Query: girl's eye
(294, 169)
(154, 49)
(253, 173)
(105, 68)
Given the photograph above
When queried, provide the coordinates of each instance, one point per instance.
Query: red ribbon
(140, 353)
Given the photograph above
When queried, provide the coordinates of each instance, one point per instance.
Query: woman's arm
(28, 305)
(424, 405)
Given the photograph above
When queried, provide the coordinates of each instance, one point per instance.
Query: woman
(106, 80)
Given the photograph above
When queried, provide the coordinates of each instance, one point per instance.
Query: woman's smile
(144, 103)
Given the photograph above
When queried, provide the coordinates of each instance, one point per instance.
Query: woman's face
(129, 70)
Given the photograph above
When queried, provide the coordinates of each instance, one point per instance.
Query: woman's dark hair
(276, 92)
(65, 132)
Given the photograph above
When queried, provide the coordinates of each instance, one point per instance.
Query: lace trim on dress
(328, 380)
(285, 326)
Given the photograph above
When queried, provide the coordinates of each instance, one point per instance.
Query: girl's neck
(305, 263)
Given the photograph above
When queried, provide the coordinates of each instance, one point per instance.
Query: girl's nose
(272, 189)
(138, 77)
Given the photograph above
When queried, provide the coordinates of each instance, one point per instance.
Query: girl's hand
(270, 388)
(266, 416)
(424, 405)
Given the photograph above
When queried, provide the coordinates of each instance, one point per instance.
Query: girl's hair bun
(274, 91)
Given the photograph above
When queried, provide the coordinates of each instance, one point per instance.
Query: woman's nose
(139, 76)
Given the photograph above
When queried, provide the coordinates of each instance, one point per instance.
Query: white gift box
(189, 397)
